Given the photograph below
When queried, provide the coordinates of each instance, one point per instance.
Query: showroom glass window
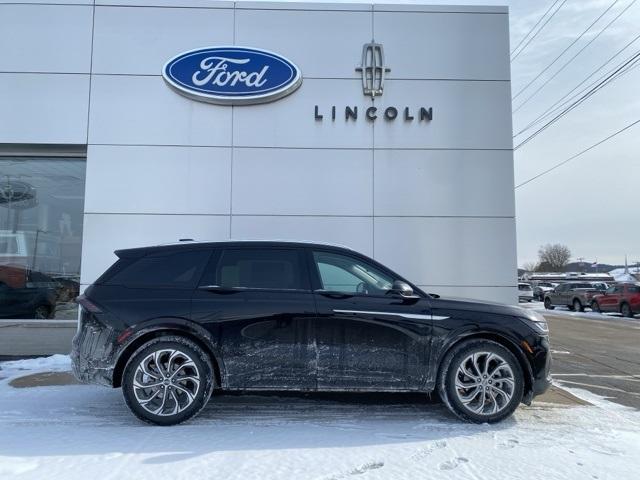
(41, 213)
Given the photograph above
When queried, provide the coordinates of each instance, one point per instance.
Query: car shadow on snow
(89, 420)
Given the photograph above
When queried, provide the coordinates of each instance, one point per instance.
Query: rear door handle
(221, 289)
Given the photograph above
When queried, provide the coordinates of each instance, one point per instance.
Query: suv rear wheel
(625, 310)
(547, 304)
(577, 305)
(168, 380)
(481, 381)
(595, 306)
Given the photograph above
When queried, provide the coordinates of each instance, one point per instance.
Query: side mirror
(402, 288)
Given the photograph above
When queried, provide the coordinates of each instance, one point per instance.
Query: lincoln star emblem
(372, 69)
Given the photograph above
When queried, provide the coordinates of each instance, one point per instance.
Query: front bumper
(92, 351)
(541, 367)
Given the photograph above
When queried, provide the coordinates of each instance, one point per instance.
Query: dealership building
(385, 128)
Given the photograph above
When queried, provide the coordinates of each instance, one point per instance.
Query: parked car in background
(602, 286)
(169, 324)
(574, 295)
(28, 301)
(525, 292)
(623, 298)
(542, 288)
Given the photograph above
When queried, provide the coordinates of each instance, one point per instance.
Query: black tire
(577, 305)
(42, 312)
(625, 310)
(595, 306)
(547, 304)
(203, 370)
(449, 371)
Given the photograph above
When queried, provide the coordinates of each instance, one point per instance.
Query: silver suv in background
(525, 292)
(574, 295)
(542, 288)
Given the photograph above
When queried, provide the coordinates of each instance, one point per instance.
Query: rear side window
(171, 270)
(634, 289)
(273, 269)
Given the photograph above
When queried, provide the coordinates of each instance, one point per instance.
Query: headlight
(537, 321)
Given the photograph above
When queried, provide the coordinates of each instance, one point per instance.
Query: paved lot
(599, 355)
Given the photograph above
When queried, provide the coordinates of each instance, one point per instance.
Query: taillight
(87, 304)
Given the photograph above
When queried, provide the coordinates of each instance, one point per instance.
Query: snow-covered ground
(85, 432)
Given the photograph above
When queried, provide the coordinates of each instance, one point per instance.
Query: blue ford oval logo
(232, 75)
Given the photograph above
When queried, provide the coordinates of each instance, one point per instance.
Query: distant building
(568, 277)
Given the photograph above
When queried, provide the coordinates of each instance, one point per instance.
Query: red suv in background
(623, 298)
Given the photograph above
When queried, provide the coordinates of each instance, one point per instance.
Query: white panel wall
(443, 42)
(186, 180)
(141, 40)
(45, 38)
(353, 232)
(450, 251)
(302, 182)
(290, 122)
(43, 108)
(432, 199)
(142, 110)
(452, 183)
(304, 36)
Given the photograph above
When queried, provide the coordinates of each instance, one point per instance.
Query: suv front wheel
(168, 380)
(481, 381)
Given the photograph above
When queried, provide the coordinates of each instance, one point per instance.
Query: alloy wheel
(166, 382)
(485, 383)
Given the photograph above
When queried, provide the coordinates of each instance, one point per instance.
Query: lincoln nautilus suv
(172, 324)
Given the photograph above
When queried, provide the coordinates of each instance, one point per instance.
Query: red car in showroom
(623, 298)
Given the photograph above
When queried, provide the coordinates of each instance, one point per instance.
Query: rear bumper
(92, 352)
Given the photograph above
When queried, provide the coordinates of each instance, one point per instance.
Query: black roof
(193, 245)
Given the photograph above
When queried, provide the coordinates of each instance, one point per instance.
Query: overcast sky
(591, 204)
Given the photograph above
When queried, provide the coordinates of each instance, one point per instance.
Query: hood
(454, 303)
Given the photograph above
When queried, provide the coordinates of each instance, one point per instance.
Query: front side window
(272, 269)
(41, 217)
(342, 273)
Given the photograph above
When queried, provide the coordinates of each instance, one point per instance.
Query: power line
(574, 57)
(617, 73)
(565, 50)
(558, 104)
(539, 30)
(557, 165)
(534, 27)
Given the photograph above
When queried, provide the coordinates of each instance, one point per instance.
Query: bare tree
(530, 266)
(554, 256)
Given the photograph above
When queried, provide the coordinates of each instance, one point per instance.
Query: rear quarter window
(163, 270)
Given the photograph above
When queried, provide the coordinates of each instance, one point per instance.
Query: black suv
(169, 324)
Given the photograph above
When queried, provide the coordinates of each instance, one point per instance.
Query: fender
(171, 324)
(441, 347)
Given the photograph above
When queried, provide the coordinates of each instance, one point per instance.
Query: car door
(558, 295)
(15, 302)
(258, 302)
(366, 338)
(609, 301)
